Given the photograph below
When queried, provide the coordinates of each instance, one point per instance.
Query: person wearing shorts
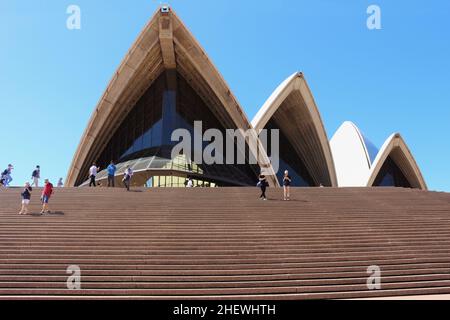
(45, 197)
(286, 185)
(26, 197)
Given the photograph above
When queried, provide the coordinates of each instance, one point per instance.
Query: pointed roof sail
(353, 155)
(395, 152)
(166, 49)
(164, 45)
(294, 110)
(356, 166)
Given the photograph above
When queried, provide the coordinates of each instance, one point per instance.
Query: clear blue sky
(394, 79)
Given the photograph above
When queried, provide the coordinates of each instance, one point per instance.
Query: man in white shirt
(92, 174)
(127, 178)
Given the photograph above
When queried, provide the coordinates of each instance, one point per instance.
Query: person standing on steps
(92, 174)
(60, 183)
(286, 185)
(26, 197)
(262, 184)
(35, 176)
(111, 173)
(190, 183)
(127, 178)
(45, 196)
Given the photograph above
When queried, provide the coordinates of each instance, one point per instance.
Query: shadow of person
(53, 213)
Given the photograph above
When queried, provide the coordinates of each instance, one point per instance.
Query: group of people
(111, 170)
(47, 191)
(6, 178)
(36, 176)
(263, 184)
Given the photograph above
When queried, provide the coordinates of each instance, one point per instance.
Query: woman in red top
(45, 197)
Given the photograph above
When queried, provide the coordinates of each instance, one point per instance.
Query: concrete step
(225, 243)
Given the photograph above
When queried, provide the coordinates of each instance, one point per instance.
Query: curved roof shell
(295, 112)
(396, 148)
(164, 44)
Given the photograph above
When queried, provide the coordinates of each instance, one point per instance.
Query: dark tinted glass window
(147, 129)
(390, 175)
(289, 160)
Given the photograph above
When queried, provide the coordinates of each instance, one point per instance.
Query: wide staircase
(225, 243)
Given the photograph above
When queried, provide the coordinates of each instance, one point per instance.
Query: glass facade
(289, 160)
(176, 182)
(390, 175)
(146, 130)
(176, 171)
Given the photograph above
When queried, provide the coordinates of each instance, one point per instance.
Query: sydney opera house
(348, 240)
(166, 81)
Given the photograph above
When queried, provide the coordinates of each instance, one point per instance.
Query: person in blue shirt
(111, 173)
(6, 176)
